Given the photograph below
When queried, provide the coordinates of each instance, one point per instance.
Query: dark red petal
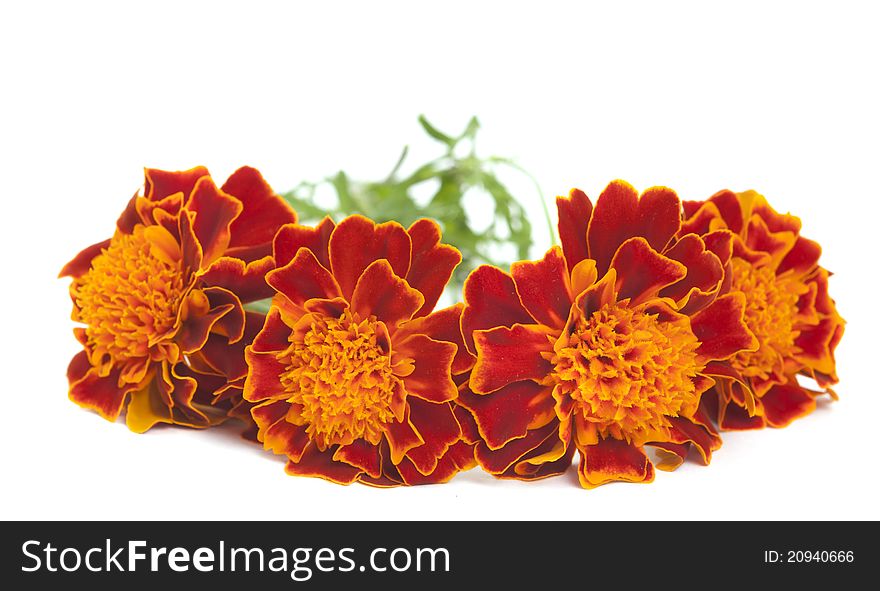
(574, 217)
(381, 293)
(728, 206)
(431, 377)
(275, 334)
(357, 242)
(614, 220)
(720, 328)
(620, 214)
(189, 243)
(506, 355)
(441, 325)
(816, 344)
(263, 211)
(291, 237)
(214, 213)
(129, 217)
(263, 379)
(705, 440)
(506, 414)
(543, 288)
(315, 462)
(802, 258)
(775, 221)
(490, 300)
(439, 429)
(231, 324)
(498, 461)
(247, 281)
(303, 279)
(432, 263)
(401, 437)
(720, 242)
(700, 217)
(89, 390)
(736, 418)
(704, 270)
(642, 271)
(363, 455)
(159, 184)
(785, 403)
(601, 293)
(612, 460)
(82, 262)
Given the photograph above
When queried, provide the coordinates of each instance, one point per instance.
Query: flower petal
(146, 408)
(432, 263)
(263, 381)
(704, 270)
(89, 390)
(612, 460)
(736, 418)
(275, 334)
(361, 454)
(381, 293)
(82, 262)
(490, 300)
(574, 217)
(291, 237)
(721, 330)
(439, 429)
(730, 210)
(543, 288)
(642, 271)
(816, 345)
(506, 355)
(431, 377)
(303, 279)
(507, 413)
(441, 325)
(497, 461)
(214, 213)
(262, 214)
(402, 437)
(315, 462)
(246, 280)
(357, 242)
(620, 215)
(159, 184)
(785, 403)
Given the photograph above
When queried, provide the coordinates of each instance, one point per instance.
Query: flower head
(604, 346)
(787, 308)
(161, 301)
(353, 374)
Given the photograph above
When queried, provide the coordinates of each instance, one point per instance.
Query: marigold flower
(604, 346)
(161, 300)
(352, 374)
(787, 308)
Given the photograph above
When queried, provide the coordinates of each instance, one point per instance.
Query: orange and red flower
(605, 345)
(787, 308)
(352, 374)
(161, 300)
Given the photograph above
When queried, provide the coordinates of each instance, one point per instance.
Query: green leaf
(436, 133)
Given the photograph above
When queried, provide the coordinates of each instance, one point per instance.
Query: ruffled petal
(214, 213)
(728, 206)
(362, 455)
(431, 377)
(159, 184)
(490, 300)
(402, 437)
(498, 461)
(263, 380)
(388, 297)
(509, 412)
(320, 464)
(147, 408)
(574, 217)
(785, 403)
(543, 288)
(357, 242)
(611, 460)
(438, 427)
(246, 280)
(303, 279)
(506, 355)
(291, 237)
(89, 390)
(642, 271)
(432, 263)
(82, 262)
(721, 330)
(441, 325)
(704, 271)
(262, 214)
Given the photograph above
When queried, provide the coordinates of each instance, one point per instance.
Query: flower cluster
(653, 328)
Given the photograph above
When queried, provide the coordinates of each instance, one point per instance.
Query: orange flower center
(771, 306)
(627, 371)
(129, 298)
(340, 381)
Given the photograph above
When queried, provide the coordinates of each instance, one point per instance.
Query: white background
(780, 97)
